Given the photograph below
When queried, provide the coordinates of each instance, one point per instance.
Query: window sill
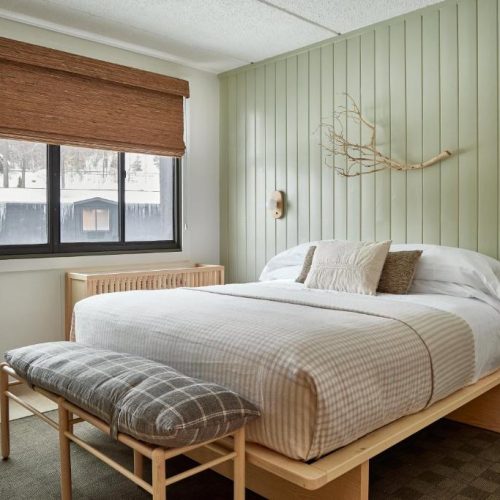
(51, 262)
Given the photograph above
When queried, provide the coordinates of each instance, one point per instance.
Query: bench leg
(4, 412)
(239, 464)
(64, 449)
(158, 474)
(138, 464)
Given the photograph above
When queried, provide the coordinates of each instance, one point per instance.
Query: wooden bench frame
(342, 474)
(157, 454)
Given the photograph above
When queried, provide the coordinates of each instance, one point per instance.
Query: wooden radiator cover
(82, 284)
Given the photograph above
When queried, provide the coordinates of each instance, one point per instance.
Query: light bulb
(272, 204)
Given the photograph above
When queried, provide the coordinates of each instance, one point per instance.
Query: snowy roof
(37, 195)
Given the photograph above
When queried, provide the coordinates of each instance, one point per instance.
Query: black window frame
(55, 248)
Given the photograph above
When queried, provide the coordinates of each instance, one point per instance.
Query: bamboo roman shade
(51, 96)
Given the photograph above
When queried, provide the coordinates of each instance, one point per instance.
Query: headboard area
(428, 81)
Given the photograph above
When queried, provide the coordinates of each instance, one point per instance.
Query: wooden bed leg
(481, 412)
(138, 464)
(64, 449)
(353, 485)
(239, 464)
(4, 412)
(158, 474)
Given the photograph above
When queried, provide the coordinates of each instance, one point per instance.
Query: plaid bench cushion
(134, 395)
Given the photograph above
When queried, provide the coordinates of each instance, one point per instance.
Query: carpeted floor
(446, 461)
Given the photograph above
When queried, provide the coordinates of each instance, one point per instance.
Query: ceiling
(213, 35)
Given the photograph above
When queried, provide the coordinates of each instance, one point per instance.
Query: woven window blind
(51, 96)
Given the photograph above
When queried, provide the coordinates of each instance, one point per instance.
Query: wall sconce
(276, 204)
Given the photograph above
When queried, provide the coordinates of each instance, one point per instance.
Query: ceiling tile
(214, 35)
(344, 15)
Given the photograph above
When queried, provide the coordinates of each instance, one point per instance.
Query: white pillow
(286, 264)
(454, 290)
(456, 265)
(348, 266)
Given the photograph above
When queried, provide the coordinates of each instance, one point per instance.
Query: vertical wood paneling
(270, 165)
(315, 191)
(327, 177)
(487, 127)
(303, 170)
(413, 66)
(382, 115)
(367, 101)
(429, 81)
(241, 213)
(448, 58)
(281, 151)
(354, 134)
(467, 124)
(224, 172)
(250, 175)
(260, 169)
(232, 236)
(340, 187)
(398, 130)
(291, 152)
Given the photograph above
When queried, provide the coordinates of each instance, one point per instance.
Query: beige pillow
(348, 266)
(398, 272)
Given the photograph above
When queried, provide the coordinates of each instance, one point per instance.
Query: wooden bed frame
(342, 474)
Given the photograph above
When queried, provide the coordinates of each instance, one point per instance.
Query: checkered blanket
(324, 368)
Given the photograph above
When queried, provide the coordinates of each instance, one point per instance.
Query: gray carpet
(446, 461)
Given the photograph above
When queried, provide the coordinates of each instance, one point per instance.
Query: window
(95, 219)
(89, 181)
(149, 185)
(63, 200)
(23, 193)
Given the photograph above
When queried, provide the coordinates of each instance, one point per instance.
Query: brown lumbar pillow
(307, 265)
(398, 272)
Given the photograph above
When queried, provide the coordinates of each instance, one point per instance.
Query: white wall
(32, 290)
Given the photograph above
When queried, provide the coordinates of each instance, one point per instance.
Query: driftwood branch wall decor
(365, 155)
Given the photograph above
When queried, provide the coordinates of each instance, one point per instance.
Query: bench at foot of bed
(151, 408)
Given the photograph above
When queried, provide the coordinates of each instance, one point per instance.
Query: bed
(328, 369)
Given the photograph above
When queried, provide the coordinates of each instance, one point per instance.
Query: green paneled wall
(429, 80)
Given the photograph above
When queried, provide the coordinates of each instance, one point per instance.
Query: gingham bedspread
(324, 368)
